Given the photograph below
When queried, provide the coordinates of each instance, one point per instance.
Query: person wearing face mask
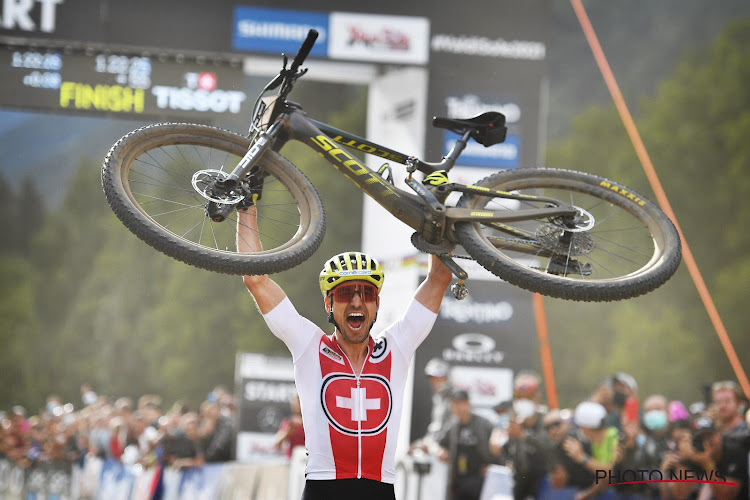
(644, 445)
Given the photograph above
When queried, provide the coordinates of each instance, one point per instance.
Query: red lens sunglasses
(345, 292)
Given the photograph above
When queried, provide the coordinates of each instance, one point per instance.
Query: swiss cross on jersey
(356, 405)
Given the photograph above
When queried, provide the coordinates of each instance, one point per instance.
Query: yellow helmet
(350, 266)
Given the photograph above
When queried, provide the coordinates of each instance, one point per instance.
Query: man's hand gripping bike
(561, 233)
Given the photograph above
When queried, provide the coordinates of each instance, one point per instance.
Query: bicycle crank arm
(457, 271)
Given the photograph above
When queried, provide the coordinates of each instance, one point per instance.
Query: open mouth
(355, 320)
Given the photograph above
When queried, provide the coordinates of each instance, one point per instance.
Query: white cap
(436, 367)
(589, 415)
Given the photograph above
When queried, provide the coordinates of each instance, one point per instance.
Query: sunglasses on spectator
(345, 292)
(724, 385)
(550, 425)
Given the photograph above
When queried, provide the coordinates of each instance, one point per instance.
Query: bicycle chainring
(442, 248)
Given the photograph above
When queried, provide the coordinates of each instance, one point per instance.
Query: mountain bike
(561, 233)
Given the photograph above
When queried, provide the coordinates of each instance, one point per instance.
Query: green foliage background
(82, 300)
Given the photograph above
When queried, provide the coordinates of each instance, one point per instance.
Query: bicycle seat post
(450, 159)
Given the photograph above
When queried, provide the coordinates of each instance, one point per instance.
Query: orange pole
(661, 196)
(545, 353)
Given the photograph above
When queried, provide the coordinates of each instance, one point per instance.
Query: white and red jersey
(351, 420)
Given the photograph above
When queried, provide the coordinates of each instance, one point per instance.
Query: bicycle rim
(630, 248)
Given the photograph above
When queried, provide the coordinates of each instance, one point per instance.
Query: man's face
(460, 408)
(555, 426)
(356, 315)
(726, 404)
(437, 383)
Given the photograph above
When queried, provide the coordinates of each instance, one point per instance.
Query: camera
(698, 441)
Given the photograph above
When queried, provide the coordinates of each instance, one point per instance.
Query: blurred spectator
(725, 454)
(557, 429)
(88, 396)
(591, 445)
(525, 451)
(438, 374)
(150, 407)
(291, 433)
(142, 440)
(527, 392)
(624, 386)
(465, 446)
(118, 432)
(725, 397)
(217, 432)
(499, 435)
(19, 420)
(645, 449)
(180, 443)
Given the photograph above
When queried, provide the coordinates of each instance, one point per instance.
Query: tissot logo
(353, 408)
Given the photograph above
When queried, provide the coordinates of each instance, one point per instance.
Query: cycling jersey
(351, 420)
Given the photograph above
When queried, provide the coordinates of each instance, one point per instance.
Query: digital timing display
(111, 83)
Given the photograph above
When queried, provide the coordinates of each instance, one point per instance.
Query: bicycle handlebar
(304, 50)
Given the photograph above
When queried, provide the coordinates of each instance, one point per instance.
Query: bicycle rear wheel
(627, 247)
(152, 179)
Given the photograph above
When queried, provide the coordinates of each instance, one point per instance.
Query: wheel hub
(560, 240)
(205, 183)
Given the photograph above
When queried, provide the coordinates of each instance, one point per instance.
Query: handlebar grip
(304, 49)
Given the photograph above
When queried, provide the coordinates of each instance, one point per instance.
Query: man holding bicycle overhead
(351, 385)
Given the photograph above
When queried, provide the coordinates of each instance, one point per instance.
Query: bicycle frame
(429, 221)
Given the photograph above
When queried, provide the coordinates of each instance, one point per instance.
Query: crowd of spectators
(616, 444)
(134, 432)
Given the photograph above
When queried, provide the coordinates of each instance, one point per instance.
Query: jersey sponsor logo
(356, 272)
(379, 350)
(357, 408)
(330, 353)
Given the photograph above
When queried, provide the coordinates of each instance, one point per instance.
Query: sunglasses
(721, 386)
(345, 292)
(552, 424)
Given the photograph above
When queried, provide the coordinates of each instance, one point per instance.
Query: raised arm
(266, 292)
(430, 293)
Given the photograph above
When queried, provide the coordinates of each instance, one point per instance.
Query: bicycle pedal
(459, 290)
(561, 267)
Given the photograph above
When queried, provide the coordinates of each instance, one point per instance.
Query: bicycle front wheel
(153, 179)
(624, 245)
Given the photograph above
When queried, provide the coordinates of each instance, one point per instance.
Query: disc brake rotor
(203, 183)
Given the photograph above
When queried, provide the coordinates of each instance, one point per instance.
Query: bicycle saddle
(487, 129)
